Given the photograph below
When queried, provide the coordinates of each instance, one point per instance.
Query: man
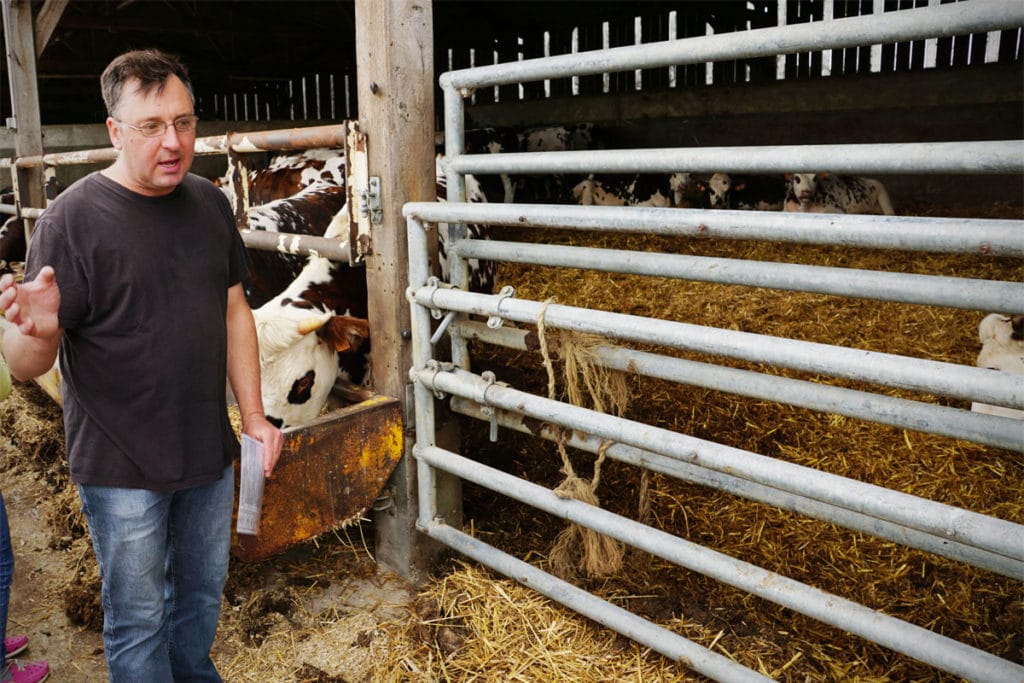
(150, 319)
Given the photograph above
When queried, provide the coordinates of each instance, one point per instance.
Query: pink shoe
(14, 645)
(34, 672)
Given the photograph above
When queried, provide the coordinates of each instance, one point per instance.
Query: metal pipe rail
(982, 236)
(977, 16)
(292, 243)
(970, 528)
(933, 290)
(751, 490)
(283, 139)
(991, 430)
(920, 643)
(948, 379)
(661, 640)
(999, 156)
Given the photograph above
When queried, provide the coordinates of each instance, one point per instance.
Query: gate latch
(370, 201)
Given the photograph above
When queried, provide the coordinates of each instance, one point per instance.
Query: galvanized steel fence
(976, 539)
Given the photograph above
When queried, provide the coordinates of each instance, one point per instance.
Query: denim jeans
(163, 558)
(6, 576)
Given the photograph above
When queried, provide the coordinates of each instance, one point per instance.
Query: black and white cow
(637, 189)
(744, 192)
(827, 193)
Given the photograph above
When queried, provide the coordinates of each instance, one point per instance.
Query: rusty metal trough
(331, 470)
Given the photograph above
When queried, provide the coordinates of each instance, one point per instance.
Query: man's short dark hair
(151, 67)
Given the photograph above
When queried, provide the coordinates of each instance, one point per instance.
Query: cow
(1002, 348)
(638, 189)
(307, 212)
(482, 274)
(744, 192)
(306, 339)
(12, 245)
(317, 322)
(557, 138)
(555, 188)
(827, 193)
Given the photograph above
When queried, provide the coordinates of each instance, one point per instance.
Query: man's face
(152, 165)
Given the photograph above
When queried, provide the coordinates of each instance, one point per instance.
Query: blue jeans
(6, 576)
(163, 558)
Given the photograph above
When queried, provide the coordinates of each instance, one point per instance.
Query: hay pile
(974, 606)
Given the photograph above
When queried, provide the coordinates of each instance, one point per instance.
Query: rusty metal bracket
(495, 321)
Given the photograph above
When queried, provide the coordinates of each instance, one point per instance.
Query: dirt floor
(55, 595)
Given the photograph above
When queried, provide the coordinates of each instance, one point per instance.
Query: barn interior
(267, 65)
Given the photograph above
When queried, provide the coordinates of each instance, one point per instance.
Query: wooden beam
(21, 70)
(395, 76)
(46, 21)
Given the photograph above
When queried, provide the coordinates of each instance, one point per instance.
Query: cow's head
(299, 357)
(803, 186)
(719, 186)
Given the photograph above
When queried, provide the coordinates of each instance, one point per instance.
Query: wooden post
(21, 67)
(395, 77)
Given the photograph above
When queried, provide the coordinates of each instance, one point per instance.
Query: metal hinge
(370, 201)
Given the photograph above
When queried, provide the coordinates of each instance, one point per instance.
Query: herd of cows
(311, 312)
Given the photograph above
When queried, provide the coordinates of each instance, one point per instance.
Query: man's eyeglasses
(153, 129)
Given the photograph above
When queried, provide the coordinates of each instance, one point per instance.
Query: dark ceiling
(232, 45)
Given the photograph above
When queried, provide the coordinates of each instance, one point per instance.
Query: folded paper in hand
(250, 496)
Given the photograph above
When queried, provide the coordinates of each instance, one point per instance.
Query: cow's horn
(311, 325)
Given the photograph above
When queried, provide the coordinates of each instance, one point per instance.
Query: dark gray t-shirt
(143, 285)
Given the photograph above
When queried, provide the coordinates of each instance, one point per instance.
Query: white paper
(250, 495)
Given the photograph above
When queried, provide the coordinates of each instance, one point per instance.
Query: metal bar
(991, 430)
(971, 528)
(752, 490)
(998, 156)
(917, 642)
(659, 639)
(948, 379)
(941, 235)
(284, 139)
(455, 192)
(977, 16)
(424, 424)
(291, 243)
(932, 290)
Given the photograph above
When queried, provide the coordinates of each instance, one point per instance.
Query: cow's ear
(345, 333)
(788, 176)
(740, 186)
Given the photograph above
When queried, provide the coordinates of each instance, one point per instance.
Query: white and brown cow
(311, 312)
(308, 336)
(827, 193)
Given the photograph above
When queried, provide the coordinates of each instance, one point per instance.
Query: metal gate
(969, 537)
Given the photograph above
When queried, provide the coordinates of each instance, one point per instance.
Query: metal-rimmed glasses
(155, 129)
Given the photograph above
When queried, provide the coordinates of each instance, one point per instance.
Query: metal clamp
(433, 284)
(369, 201)
(495, 321)
(435, 367)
